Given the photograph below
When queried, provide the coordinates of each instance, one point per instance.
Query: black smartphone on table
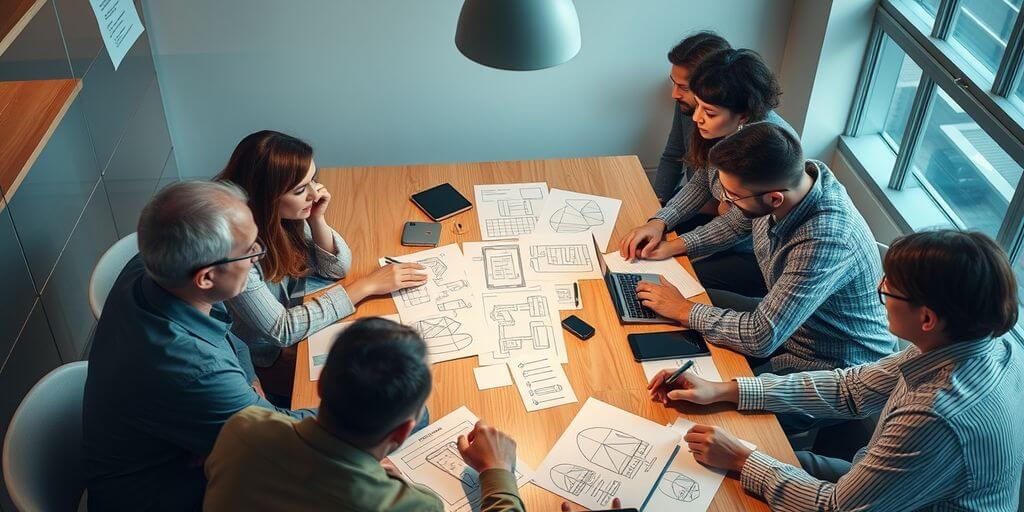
(656, 346)
(578, 327)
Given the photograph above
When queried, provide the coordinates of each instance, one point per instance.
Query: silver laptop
(622, 288)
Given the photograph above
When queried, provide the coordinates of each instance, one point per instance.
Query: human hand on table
(486, 447)
(717, 447)
(690, 388)
(391, 277)
(665, 300)
(642, 240)
(568, 507)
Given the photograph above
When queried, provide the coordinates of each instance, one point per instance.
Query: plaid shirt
(822, 269)
(948, 437)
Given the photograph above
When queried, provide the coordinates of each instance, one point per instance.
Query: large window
(942, 97)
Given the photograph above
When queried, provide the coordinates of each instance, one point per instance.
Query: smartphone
(578, 327)
(656, 346)
(421, 234)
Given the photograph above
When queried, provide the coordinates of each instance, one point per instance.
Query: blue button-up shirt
(822, 270)
(948, 436)
(163, 378)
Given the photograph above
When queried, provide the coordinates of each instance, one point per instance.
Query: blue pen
(675, 375)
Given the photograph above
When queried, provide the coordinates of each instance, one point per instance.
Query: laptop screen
(600, 257)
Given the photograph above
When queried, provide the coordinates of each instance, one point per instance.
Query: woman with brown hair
(278, 173)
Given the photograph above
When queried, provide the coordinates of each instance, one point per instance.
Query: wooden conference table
(370, 206)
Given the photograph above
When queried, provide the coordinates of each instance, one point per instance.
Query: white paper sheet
(320, 345)
(509, 210)
(687, 485)
(445, 310)
(567, 212)
(533, 259)
(519, 324)
(431, 458)
(542, 383)
(568, 296)
(488, 377)
(606, 453)
(670, 269)
(119, 26)
(703, 367)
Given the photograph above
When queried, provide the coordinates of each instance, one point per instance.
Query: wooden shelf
(29, 114)
(14, 15)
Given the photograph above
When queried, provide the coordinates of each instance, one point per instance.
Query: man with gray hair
(165, 371)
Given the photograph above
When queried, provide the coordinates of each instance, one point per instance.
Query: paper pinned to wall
(509, 210)
(119, 26)
(431, 458)
(703, 367)
(687, 484)
(567, 212)
(669, 268)
(445, 310)
(542, 382)
(607, 453)
(320, 344)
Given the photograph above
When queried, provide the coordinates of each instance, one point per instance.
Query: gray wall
(377, 83)
(107, 157)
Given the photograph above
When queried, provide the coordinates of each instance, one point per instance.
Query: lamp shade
(519, 35)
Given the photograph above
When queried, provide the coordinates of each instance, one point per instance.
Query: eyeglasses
(882, 294)
(261, 251)
(732, 200)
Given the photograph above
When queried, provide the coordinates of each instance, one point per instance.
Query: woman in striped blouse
(278, 173)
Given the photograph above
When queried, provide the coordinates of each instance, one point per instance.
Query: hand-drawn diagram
(679, 487)
(614, 450)
(576, 216)
(578, 480)
(437, 268)
(514, 333)
(561, 258)
(507, 211)
(503, 267)
(442, 335)
(566, 296)
(542, 382)
(431, 457)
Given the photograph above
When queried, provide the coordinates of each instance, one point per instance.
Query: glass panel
(962, 168)
(891, 94)
(981, 28)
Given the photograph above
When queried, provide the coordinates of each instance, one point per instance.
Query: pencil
(389, 259)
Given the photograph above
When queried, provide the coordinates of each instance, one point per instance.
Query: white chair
(108, 268)
(42, 455)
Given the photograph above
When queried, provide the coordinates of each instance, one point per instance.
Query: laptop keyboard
(628, 283)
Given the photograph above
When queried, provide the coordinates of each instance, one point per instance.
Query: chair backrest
(108, 268)
(42, 454)
(882, 248)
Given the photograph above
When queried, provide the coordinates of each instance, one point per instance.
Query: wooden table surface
(369, 207)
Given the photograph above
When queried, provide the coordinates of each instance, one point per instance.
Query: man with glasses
(165, 371)
(948, 437)
(816, 254)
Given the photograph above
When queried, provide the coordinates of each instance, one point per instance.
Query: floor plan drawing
(561, 258)
(503, 267)
(521, 323)
(580, 481)
(509, 210)
(567, 212)
(431, 457)
(607, 444)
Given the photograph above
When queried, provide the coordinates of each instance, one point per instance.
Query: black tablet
(655, 346)
(441, 202)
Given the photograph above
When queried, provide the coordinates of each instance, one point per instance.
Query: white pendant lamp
(518, 35)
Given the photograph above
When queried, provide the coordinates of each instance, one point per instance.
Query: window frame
(988, 100)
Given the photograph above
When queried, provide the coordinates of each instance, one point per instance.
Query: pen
(389, 259)
(576, 292)
(675, 375)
